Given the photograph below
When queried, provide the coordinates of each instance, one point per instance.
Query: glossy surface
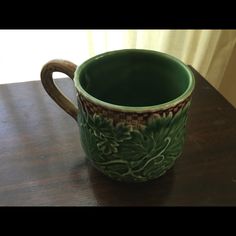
(132, 148)
(134, 78)
(127, 146)
(42, 162)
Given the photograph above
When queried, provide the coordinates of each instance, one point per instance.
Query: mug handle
(53, 91)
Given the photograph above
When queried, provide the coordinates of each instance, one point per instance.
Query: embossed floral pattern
(133, 154)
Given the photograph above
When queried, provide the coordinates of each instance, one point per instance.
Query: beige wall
(228, 85)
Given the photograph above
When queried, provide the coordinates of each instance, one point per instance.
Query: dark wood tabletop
(42, 162)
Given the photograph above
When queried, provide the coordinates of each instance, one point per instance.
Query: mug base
(131, 178)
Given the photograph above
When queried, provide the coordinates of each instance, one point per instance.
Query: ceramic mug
(132, 110)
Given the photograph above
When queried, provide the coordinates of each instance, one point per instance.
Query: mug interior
(134, 78)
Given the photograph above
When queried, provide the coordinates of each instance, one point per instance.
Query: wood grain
(42, 162)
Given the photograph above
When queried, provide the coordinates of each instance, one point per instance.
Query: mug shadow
(109, 192)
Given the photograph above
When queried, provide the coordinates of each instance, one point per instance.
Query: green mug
(132, 110)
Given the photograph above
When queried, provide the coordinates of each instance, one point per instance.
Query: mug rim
(161, 106)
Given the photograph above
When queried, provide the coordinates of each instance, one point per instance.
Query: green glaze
(135, 80)
(131, 120)
(133, 154)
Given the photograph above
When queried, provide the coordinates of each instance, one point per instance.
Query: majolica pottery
(132, 110)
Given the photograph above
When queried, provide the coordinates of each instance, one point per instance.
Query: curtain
(23, 52)
(208, 51)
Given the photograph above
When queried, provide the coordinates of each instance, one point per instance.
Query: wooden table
(42, 162)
